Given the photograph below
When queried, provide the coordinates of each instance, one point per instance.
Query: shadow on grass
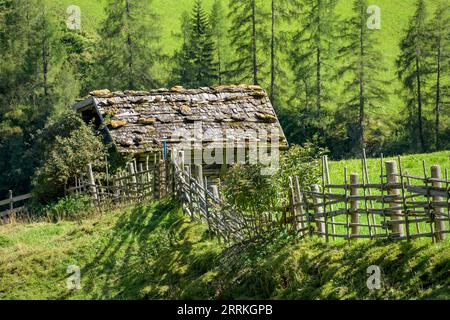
(149, 251)
(154, 252)
(118, 271)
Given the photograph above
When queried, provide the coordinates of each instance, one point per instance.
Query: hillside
(152, 251)
(395, 15)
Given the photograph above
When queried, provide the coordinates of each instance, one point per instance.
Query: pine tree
(129, 51)
(315, 38)
(218, 29)
(283, 12)
(412, 67)
(203, 47)
(183, 72)
(249, 39)
(196, 66)
(439, 44)
(362, 64)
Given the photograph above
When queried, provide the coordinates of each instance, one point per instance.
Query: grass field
(152, 251)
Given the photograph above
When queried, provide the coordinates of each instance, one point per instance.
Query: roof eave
(82, 105)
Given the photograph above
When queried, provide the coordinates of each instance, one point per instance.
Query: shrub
(71, 207)
(65, 156)
(302, 161)
(248, 190)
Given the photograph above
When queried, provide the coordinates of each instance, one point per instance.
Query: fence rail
(10, 203)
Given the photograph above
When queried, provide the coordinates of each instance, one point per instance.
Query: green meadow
(152, 251)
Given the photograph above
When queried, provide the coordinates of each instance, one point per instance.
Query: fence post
(439, 212)
(199, 174)
(91, 181)
(354, 204)
(155, 188)
(318, 209)
(215, 191)
(293, 203)
(141, 178)
(180, 179)
(132, 173)
(301, 212)
(208, 217)
(162, 178)
(11, 202)
(396, 215)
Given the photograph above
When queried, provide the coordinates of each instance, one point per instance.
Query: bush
(248, 190)
(302, 161)
(66, 155)
(67, 208)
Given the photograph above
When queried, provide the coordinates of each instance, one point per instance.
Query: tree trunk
(419, 105)
(272, 54)
(362, 115)
(130, 51)
(219, 60)
(254, 45)
(44, 55)
(438, 97)
(319, 65)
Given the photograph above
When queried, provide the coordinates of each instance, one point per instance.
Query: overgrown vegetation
(154, 252)
(68, 145)
(278, 44)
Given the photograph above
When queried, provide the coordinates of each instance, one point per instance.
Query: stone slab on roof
(139, 121)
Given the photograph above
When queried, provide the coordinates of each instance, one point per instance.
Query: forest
(344, 75)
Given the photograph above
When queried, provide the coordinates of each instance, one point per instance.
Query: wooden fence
(8, 207)
(134, 183)
(399, 206)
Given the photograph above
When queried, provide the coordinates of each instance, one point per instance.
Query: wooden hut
(144, 123)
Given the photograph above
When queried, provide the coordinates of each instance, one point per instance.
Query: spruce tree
(196, 65)
(203, 47)
(283, 13)
(412, 69)
(314, 38)
(36, 82)
(218, 29)
(183, 72)
(440, 64)
(362, 63)
(129, 51)
(249, 39)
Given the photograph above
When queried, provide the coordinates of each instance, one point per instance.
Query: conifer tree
(314, 38)
(203, 47)
(36, 82)
(283, 12)
(440, 64)
(218, 29)
(362, 63)
(249, 39)
(129, 51)
(196, 66)
(412, 69)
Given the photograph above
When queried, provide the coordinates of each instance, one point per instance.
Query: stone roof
(139, 122)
